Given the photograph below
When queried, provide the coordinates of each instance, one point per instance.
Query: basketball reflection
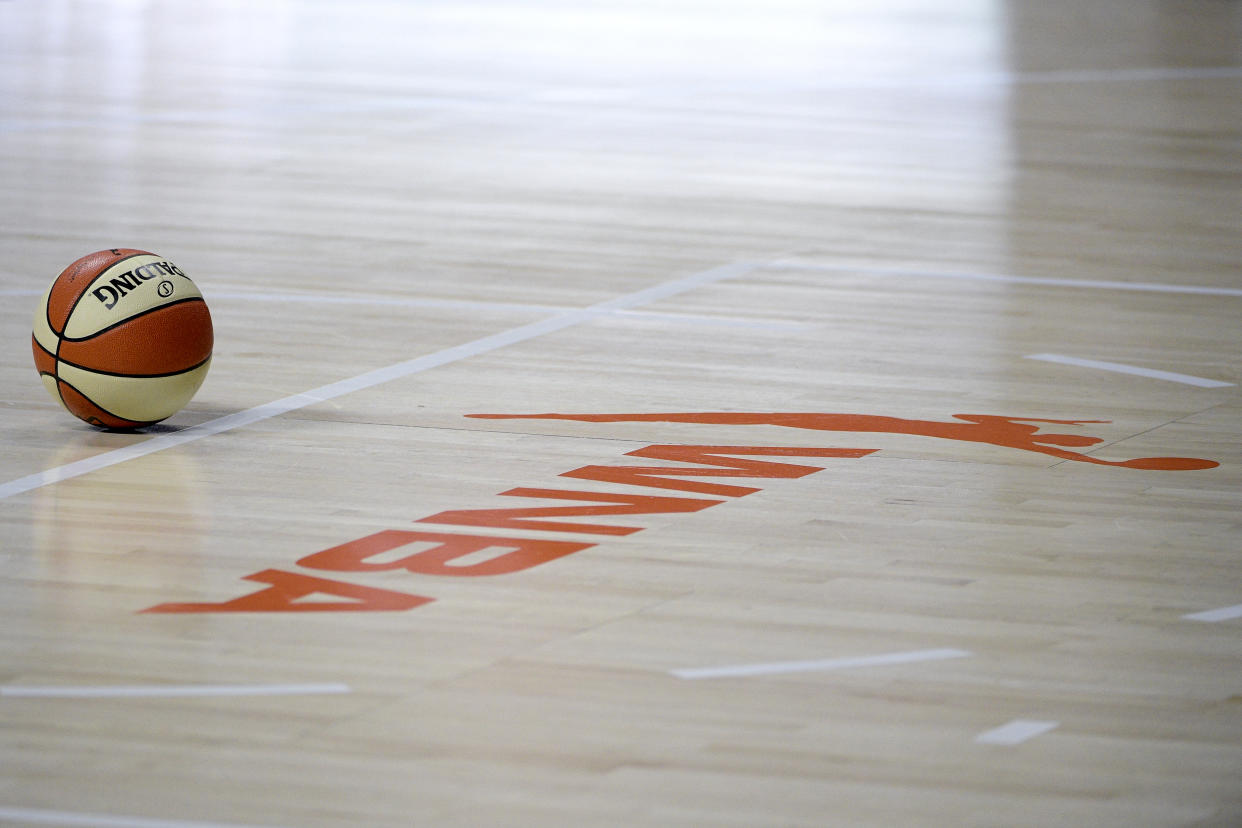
(133, 526)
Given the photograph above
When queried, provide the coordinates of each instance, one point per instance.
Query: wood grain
(907, 202)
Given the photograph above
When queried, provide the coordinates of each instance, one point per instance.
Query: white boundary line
(502, 307)
(213, 295)
(41, 816)
(1211, 616)
(454, 100)
(374, 299)
(1015, 732)
(475, 306)
(1164, 73)
(169, 691)
(1118, 368)
(772, 668)
(1005, 278)
(372, 378)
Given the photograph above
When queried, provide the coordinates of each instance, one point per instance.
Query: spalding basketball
(122, 338)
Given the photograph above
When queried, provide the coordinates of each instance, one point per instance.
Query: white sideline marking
(450, 100)
(375, 299)
(1222, 614)
(1148, 287)
(41, 816)
(825, 664)
(471, 305)
(371, 378)
(170, 691)
(1015, 732)
(1116, 367)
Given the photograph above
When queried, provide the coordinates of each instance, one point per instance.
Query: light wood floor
(283, 606)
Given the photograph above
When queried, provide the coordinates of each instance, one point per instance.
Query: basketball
(122, 338)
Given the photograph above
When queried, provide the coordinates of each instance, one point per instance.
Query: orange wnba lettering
(287, 587)
(352, 556)
(620, 504)
(286, 590)
(1011, 432)
(656, 476)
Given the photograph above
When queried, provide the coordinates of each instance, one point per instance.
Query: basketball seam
(39, 345)
(128, 318)
(55, 363)
(133, 376)
(78, 298)
(60, 395)
(87, 397)
(60, 335)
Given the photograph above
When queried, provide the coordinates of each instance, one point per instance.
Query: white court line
(824, 664)
(41, 816)
(372, 378)
(1222, 614)
(470, 305)
(169, 691)
(375, 299)
(452, 100)
(1124, 75)
(699, 319)
(1015, 732)
(1116, 367)
(982, 79)
(1005, 278)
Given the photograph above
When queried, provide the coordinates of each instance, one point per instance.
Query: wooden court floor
(634, 414)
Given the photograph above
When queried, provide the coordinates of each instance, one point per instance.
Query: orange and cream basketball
(122, 338)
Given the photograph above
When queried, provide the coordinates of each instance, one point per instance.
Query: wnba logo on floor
(456, 554)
